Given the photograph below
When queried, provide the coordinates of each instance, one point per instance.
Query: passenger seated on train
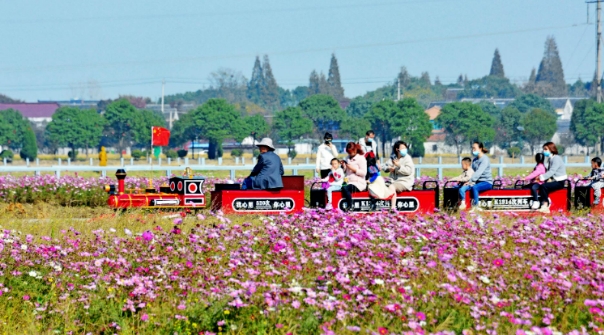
(464, 177)
(334, 180)
(482, 178)
(597, 179)
(555, 176)
(534, 179)
(401, 167)
(267, 173)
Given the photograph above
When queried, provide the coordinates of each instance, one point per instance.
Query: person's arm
(556, 164)
(458, 178)
(465, 177)
(536, 172)
(406, 169)
(318, 164)
(256, 170)
(281, 171)
(362, 170)
(479, 171)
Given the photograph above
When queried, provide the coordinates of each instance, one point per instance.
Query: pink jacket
(539, 170)
(357, 179)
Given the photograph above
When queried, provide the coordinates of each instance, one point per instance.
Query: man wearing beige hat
(267, 173)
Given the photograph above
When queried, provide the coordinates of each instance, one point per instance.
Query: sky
(66, 49)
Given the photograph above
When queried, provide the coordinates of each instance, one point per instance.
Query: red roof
(32, 110)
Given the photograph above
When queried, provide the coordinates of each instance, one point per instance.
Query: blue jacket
(267, 172)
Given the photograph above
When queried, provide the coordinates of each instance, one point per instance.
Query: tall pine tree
(313, 84)
(530, 85)
(323, 86)
(497, 66)
(550, 77)
(333, 79)
(270, 90)
(404, 77)
(257, 82)
(425, 79)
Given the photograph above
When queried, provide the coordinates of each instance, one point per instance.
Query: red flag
(160, 136)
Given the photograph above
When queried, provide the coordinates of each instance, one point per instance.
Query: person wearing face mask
(368, 143)
(482, 178)
(325, 153)
(554, 177)
(401, 167)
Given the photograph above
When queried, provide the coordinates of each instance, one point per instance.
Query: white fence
(200, 165)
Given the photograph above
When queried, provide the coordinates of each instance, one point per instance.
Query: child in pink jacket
(534, 179)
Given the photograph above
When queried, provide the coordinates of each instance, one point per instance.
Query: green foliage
(506, 127)
(8, 155)
(550, 77)
(324, 111)
(490, 87)
(136, 154)
(539, 127)
(354, 128)
(490, 108)
(30, 147)
(358, 107)
(292, 154)
(381, 117)
(417, 150)
(497, 66)
(256, 84)
(182, 153)
(514, 152)
(291, 124)
(170, 153)
(144, 120)
(75, 128)
(465, 122)
(236, 152)
(256, 152)
(73, 155)
(412, 124)
(255, 123)
(586, 122)
(121, 118)
(528, 102)
(12, 128)
(333, 79)
(270, 89)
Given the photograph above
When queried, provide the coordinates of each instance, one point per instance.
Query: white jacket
(324, 156)
(404, 173)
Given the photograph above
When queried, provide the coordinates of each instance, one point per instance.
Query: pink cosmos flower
(26, 297)
(420, 316)
(144, 317)
(498, 262)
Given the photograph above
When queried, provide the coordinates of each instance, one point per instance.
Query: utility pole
(399, 90)
(598, 48)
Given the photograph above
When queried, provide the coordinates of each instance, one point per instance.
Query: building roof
(433, 112)
(33, 110)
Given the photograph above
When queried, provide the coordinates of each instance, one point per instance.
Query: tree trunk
(212, 149)
(599, 145)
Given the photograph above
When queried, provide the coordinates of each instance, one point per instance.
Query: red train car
(422, 201)
(232, 200)
(515, 199)
(179, 194)
(584, 197)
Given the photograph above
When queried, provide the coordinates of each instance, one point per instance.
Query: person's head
(596, 162)
(327, 138)
(353, 149)
(466, 162)
(263, 148)
(400, 149)
(369, 135)
(335, 163)
(549, 149)
(478, 149)
(539, 158)
(265, 145)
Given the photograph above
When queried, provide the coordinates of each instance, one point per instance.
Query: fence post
(90, 161)
(307, 160)
(178, 160)
(169, 160)
(38, 161)
(254, 160)
(237, 160)
(159, 161)
(59, 161)
(27, 161)
(186, 160)
(500, 166)
(219, 160)
(168, 173)
(104, 173)
(68, 161)
(565, 159)
(587, 159)
(440, 168)
(122, 161)
(421, 159)
(4, 160)
(202, 160)
(232, 174)
(289, 161)
(459, 159)
(150, 160)
(295, 171)
(521, 159)
(242, 160)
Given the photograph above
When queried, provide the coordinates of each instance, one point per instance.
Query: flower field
(313, 273)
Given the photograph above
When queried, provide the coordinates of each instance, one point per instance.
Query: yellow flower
(227, 312)
(50, 279)
(194, 325)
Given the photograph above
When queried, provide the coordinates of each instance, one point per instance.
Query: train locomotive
(188, 193)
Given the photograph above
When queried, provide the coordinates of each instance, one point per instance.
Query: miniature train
(188, 193)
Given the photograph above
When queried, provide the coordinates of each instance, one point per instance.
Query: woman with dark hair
(325, 153)
(355, 169)
(482, 178)
(555, 176)
(401, 167)
(534, 179)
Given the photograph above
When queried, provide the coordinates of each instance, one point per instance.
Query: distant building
(37, 113)
(82, 104)
(436, 142)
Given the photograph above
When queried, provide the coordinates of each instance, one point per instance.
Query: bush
(8, 155)
(30, 146)
(256, 152)
(560, 149)
(73, 155)
(219, 151)
(514, 152)
(292, 154)
(236, 153)
(417, 150)
(171, 154)
(136, 154)
(182, 153)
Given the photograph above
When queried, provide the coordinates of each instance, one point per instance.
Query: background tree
(506, 127)
(8, 100)
(539, 127)
(324, 111)
(497, 66)
(257, 123)
(353, 128)
(464, 122)
(586, 123)
(120, 117)
(358, 107)
(526, 103)
(256, 84)
(30, 149)
(75, 128)
(530, 86)
(490, 87)
(91, 124)
(412, 124)
(490, 108)
(229, 84)
(550, 77)
(270, 90)
(12, 128)
(313, 84)
(144, 120)
(291, 124)
(333, 79)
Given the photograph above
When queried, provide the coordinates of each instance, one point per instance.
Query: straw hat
(267, 142)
